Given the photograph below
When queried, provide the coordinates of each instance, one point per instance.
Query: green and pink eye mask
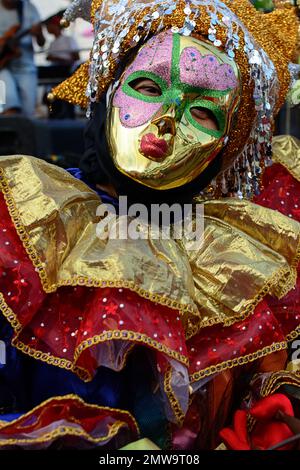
(175, 72)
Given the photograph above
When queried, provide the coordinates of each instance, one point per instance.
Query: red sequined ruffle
(79, 424)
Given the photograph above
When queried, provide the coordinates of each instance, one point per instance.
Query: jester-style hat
(263, 46)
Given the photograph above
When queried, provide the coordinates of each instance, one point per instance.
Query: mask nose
(165, 125)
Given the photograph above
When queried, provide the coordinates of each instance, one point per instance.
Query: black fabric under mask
(98, 168)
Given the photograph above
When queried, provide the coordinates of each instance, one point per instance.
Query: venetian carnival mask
(170, 114)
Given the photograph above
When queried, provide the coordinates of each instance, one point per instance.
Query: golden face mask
(156, 140)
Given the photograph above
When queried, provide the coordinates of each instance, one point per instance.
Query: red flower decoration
(267, 431)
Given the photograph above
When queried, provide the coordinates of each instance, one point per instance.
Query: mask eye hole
(205, 117)
(146, 87)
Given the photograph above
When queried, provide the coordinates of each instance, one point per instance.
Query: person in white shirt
(19, 76)
(64, 49)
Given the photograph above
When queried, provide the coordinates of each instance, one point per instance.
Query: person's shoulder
(32, 11)
(30, 5)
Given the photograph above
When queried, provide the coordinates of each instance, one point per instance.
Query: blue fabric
(46, 381)
(10, 417)
(106, 198)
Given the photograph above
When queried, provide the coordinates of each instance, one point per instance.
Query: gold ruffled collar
(248, 250)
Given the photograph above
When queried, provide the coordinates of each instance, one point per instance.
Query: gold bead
(64, 23)
(51, 97)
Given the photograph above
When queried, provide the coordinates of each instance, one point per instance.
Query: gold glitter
(64, 23)
(73, 89)
(276, 33)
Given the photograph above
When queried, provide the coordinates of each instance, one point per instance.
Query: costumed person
(63, 50)
(110, 339)
(20, 73)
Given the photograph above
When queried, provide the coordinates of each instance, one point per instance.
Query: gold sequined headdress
(263, 46)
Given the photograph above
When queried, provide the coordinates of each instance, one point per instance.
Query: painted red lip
(153, 147)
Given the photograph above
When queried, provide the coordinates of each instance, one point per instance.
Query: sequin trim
(175, 405)
(108, 336)
(30, 250)
(293, 334)
(284, 279)
(127, 335)
(165, 301)
(277, 380)
(52, 360)
(9, 314)
(65, 430)
(240, 361)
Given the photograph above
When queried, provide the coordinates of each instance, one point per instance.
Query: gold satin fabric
(58, 212)
(248, 250)
(286, 150)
